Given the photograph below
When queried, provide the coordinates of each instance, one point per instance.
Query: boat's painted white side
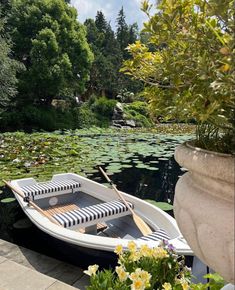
(151, 214)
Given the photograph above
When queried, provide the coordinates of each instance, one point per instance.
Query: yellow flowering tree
(187, 66)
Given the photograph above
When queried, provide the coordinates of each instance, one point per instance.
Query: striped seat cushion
(158, 235)
(48, 187)
(93, 213)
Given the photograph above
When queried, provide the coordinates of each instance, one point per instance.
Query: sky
(110, 8)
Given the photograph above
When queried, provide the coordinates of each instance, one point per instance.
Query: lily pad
(8, 200)
(162, 205)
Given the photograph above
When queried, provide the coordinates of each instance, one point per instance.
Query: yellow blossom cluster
(140, 279)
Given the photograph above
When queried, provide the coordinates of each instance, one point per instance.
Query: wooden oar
(143, 227)
(20, 192)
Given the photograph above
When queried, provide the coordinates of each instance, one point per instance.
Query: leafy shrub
(140, 107)
(36, 118)
(104, 107)
(138, 112)
(84, 117)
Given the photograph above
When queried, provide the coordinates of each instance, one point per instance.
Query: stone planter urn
(204, 206)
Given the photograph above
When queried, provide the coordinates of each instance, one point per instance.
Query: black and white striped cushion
(158, 235)
(91, 213)
(48, 187)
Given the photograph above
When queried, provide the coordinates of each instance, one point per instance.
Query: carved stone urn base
(204, 206)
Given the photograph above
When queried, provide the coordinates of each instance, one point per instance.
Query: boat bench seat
(158, 235)
(93, 214)
(49, 187)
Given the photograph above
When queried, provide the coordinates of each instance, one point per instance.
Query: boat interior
(120, 227)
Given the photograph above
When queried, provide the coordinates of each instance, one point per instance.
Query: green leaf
(162, 205)
(8, 200)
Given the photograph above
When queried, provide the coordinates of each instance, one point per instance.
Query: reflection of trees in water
(146, 184)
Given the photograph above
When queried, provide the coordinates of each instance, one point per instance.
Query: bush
(140, 107)
(84, 117)
(36, 118)
(138, 112)
(104, 107)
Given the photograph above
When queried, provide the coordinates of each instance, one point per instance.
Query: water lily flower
(91, 270)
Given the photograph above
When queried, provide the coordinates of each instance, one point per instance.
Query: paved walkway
(22, 269)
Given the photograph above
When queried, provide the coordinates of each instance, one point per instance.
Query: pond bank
(22, 268)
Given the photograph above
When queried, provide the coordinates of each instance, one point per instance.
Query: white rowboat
(82, 212)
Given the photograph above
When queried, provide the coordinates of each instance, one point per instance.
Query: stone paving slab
(17, 277)
(82, 282)
(60, 286)
(53, 268)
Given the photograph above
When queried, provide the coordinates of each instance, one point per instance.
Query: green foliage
(122, 31)
(216, 282)
(187, 62)
(52, 45)
(138, 112)
(105, 78)
(84, 117)
(104, 107)
(9, 68)
(36, 118)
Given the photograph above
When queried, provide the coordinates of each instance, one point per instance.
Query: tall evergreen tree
(122, 31)
(100, 22)
(133, 33)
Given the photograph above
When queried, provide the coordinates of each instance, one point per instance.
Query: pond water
(139, 164)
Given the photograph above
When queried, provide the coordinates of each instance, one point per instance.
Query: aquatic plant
(40, 155)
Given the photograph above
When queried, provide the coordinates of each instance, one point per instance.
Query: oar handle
(20, 193)
(117, 191)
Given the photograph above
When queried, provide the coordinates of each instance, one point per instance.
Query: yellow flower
(185, 285)
(135, 256)
(132, 246)
(118, 250)
(135, 275)
(91, 270)
(160, 253)
(122, 274)
(145, 251)
(137, 285)
(166, 286)
(145, 276)
(225, 67)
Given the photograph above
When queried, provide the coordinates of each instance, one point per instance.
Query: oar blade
(143, 227)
